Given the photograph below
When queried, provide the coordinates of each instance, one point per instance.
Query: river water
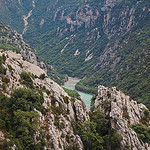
(70, 84)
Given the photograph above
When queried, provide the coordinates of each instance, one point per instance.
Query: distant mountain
(103, 42)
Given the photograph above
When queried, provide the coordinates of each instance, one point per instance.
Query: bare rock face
(85, 16)
(123, 112)
(2, 137)
(60, 109)
(10, 36)
(126, 19)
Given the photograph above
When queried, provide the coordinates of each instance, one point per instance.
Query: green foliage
(92, 102)
(97, 133)
(4, 86)
(66, 99)
(27, 79)
(56, 122)
(6, 46)
(55, 76)
(25, 124)
(72, 93)
(142, 131)
(102, 123)
(146, 112)
(18, 118)
(56, 110)
(88, 134)
(91, 138)
(47, 92)
(82, 87)
(26, 100)
(112, 141)
(3, 111)
(5, 79)
(10, 68)
(60, 125)
(42, 76)
(2, 61)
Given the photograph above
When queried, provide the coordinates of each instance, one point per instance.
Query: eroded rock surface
(60, 109)
(123, 112)
(10, 36)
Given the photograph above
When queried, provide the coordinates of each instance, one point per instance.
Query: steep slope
(36, 113)
(125, 64)
(56, 110)
(10, 39)
(124, 115)
(11, 13)
(104, 42)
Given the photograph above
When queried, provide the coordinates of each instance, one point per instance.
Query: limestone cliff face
(10, 36)
(123, 112)
(56, 129)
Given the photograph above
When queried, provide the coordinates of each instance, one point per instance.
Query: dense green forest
(72, 93)
(18, 120)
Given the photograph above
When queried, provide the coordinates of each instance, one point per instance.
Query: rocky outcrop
(2, 137)
(86, 15)
(10, 36)
(125, 19)
(123, 112)
(60, 109)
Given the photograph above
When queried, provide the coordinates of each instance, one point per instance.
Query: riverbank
(72, 81)
(70, 84)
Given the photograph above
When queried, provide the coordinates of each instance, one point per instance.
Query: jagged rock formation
(54, 129)
(123, 112)
(10, 36)
(60, 109)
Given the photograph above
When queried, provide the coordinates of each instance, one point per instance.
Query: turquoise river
(70, 84)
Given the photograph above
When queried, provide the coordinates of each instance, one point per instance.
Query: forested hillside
(103, 42)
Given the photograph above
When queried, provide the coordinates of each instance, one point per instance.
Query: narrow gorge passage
(70, 84)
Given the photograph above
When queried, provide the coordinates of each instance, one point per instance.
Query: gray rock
(123, 112)
(55, 132)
